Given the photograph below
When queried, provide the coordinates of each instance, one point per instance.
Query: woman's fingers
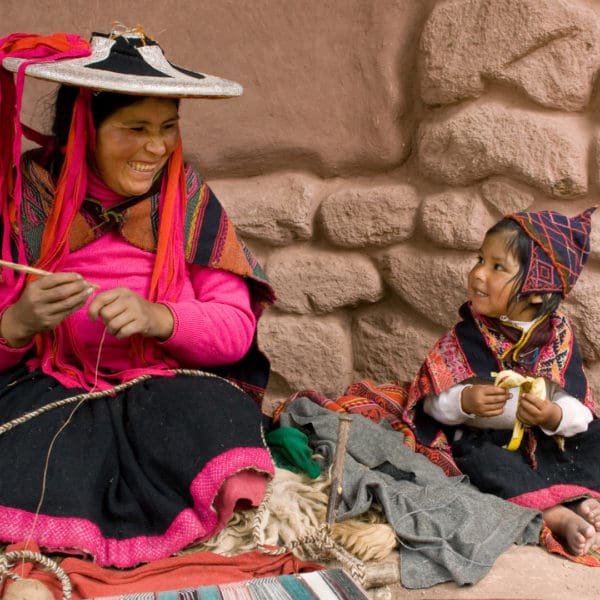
(121, 310)
(45, 302)
(104, 305)
(58, 289)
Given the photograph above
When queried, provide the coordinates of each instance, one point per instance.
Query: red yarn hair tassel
(169, 267)
(70, 189)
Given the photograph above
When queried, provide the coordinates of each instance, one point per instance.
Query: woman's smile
(141, 167)
(135, 143)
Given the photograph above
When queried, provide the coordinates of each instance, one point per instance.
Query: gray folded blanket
(447, 529)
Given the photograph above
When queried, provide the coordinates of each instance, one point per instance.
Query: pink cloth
(214, 306)
(241, 491)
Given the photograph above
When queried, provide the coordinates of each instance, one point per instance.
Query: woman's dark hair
(104, 104)
(518, 243)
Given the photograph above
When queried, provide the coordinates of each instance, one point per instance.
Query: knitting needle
(337, 475)
(30, 270)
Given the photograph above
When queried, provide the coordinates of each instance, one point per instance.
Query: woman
(131, 362)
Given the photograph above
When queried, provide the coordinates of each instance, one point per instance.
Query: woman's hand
(125, 313)
(484, 400)
(43, 304)
(534, 410)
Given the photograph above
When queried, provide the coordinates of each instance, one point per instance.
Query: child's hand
(484, 400)
(534, 410)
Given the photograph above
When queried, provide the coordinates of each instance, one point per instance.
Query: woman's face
(134, 143)
(491, 282)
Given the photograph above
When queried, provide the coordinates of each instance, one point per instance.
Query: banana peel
(530, 385)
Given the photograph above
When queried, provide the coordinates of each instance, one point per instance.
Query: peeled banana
(530, 385)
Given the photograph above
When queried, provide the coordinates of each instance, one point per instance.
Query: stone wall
(374, 144)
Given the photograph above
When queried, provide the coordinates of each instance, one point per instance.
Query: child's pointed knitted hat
(559, 248)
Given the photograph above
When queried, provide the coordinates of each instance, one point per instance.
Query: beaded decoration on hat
(129, 62)
(559, 248)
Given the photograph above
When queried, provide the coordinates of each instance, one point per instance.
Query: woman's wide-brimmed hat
(129, 62)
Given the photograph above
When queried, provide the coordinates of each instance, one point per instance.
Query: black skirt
(125, 478)
(536, 476)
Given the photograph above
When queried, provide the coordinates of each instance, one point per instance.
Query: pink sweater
(214, 323)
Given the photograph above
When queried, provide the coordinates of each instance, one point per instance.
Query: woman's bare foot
(577, 534)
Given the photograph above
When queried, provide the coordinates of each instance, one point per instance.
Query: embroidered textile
(559, 248)
(333, 584)
(478, 346)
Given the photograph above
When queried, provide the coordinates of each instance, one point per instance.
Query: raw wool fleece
(294, 507)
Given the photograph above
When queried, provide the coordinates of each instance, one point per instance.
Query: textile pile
(437, 519)
(289, 523)
(292, 516)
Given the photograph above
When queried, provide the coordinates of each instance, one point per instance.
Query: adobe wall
(374, 144)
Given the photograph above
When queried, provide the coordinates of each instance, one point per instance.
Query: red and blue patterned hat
(559, 248)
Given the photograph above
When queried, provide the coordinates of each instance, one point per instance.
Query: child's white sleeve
(446, 407)
(575, 415)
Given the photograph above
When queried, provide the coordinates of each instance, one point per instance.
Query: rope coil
(99, 394)
(8, 560)
(317, 542)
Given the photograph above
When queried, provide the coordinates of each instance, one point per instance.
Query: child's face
(491, 284)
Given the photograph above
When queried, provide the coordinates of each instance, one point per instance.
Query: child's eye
(136, 129)
(498, 267)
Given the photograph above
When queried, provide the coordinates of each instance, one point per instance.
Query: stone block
(547, 49)
(489, 138)
(373, 216)
(276, 209)
(389, 343)
(432, 283)
(307, 279)
(308, 352)
(456, 219)
(505, 196)
(583, 305)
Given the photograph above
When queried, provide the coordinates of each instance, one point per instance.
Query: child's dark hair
(104, 104)
(518, 243)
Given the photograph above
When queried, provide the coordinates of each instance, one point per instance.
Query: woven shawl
(210, 241)
(477, 346)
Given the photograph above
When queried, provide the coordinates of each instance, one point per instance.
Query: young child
(528, 262)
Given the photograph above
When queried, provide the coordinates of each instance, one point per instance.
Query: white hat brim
(172, 81)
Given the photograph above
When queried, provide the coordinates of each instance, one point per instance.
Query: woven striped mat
(331, 584)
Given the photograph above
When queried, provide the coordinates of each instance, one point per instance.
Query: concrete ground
(521, 573)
